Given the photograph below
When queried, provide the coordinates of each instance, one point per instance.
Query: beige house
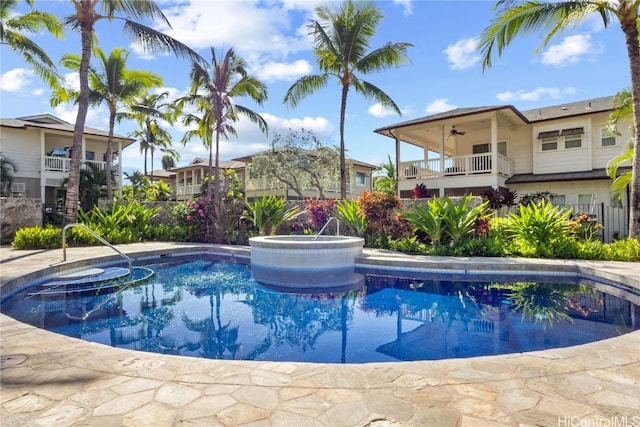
(39, 146)
(562, 149)
(358, 182)
(188, 179)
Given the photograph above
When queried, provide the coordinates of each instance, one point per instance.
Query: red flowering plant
(319, 211)
(585, 226)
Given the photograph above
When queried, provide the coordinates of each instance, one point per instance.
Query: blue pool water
(214, 309)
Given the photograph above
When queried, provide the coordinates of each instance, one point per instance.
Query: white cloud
(439, 105)
(72, 81)
(571, 50)
(320, 126)
(37, 92)
(15, 80)
(272, 71)
(96, 117)
(462, 54)
(407, 5)
(534, 95)
(377, 110)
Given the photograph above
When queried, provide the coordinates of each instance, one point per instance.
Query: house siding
(561, 159)
(23, 149)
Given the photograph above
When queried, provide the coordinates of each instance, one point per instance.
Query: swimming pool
(213, 308)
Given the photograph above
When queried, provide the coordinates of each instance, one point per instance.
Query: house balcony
(269, 184)
(455, 172)
(63, 164)
(188, 190)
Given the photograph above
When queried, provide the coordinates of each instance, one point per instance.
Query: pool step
(93, 279)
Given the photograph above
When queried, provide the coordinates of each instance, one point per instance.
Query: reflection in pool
(214, 309)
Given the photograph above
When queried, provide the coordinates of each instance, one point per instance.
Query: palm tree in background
(151, 111)
(341, 42)
(623, 112)
(385, 178)
(516, 18)
(111, 84)
(215, 88)
(85, 15)
(7, 169)
(169, 160)
(14, 31)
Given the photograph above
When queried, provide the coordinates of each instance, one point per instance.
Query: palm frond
(153, 40)
(304, 87)
(372, 92)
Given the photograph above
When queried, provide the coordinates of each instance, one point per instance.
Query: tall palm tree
(85, 15)
(14, 31)
(516, 18)
(215, 87)
(150, 110)
(341, 43)
(111, 84)
(169, 160)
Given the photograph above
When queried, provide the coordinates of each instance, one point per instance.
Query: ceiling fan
(455, 132)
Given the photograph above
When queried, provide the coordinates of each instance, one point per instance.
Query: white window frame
(549, 143)
(364, 179)
(607, 135)
(571, 138)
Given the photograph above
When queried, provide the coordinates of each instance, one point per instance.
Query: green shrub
(167, 233)
(349, 214)
(49, 237)
(122, 223)
(622, 250)
(269, 212)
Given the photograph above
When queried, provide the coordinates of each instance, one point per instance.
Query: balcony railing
(262, 184)
(188, 190)
(453, 166)
(63, 164)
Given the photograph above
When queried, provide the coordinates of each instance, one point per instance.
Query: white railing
(188, 190)
(63, 164)
(456, 165)
(262, 184)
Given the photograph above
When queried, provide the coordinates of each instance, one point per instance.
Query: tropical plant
(460, 218)
(111, 84)
(539, 225)
(384, 179)
(341, 41)
(7, 169)
(15, 30)
(121, 223)
(349, 214)
(215, 88)
(623, 111)
(84, 17)
(320, 211)
(93, 182)
(516, 18)
(169, 161)
(269, 212)
(428, 218)
(420, 191)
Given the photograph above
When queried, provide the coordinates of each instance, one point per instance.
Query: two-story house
(188, 179)
(562, 149)
(39, 147)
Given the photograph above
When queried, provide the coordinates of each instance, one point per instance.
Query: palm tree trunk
(630, 29)
(216, 183)
(73, 183)
(343, 166)
(107, 167)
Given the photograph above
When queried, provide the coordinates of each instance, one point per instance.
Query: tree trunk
(109, 157)
(343, 166)
(216, 172)
(630, 29)
(73, 183)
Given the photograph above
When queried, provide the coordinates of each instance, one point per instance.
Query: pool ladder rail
(94, 234)
(325, 226)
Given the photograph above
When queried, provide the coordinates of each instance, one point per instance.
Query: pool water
(214, 309)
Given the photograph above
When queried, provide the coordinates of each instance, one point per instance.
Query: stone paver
(61, 381)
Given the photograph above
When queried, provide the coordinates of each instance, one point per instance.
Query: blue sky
(445, 72)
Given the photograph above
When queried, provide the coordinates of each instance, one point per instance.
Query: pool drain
(12, 360)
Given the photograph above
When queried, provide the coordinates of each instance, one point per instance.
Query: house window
(90, 155)
(559, 200)
(607, 138)
(549, 143)
(572, 137)
(486, 148)
(585, 200)
(360, 178)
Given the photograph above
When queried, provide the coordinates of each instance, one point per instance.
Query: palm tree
(341, 40)
(114, 85)
(169, 160)
(7, 169)
(149, 110)
(623, 111)
(516, 18)
(215, 88)
(14, 29)
(385, 179)
(86, 13)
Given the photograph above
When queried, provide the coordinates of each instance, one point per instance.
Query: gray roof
(594, 174)
(199, 161)
(48, 121)
(571, 109)
(587, 106)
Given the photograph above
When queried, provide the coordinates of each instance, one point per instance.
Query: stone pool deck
(53, 380)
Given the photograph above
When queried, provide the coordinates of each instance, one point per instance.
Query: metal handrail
(94, 234)
(325, 226)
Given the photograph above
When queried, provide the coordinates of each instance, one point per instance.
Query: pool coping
(592, 381)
